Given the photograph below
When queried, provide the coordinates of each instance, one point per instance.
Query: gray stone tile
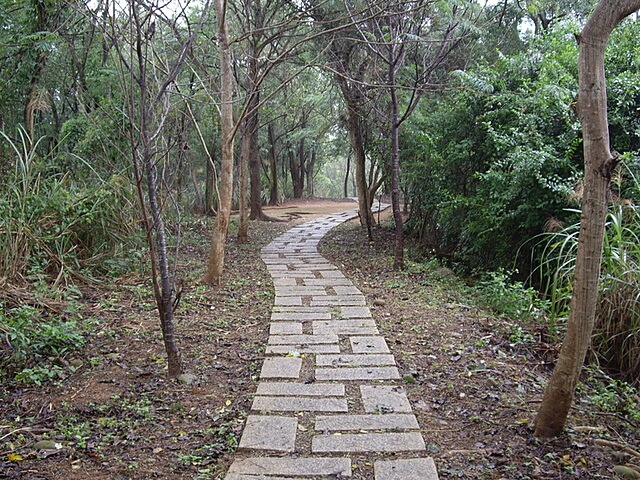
(317, 466)
(284, 282)
(368, 345)
(300, 309)
(347, 290)
(285, 328)
(346, 360)
(327, 282)
(300, 291)
(288, 301)
(281, 367)
(410, 468)
(302, 339)
(384, 399)
(366, 422)
(331, 274)
(355, 312)
(317, 348)
(337, 300)
(368, 442)
(266, 432)
(346, 330)
(300, 316)
(299, 404)
(300, 389)
(358, 373)
(359, 322)
(241, 476)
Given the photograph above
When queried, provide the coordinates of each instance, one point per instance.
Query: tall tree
(221, 226)
(599, 167)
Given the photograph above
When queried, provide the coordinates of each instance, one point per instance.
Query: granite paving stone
(309, 466)
(368, 442)
(368, 345)
(299, 404)
(384, 399)
(302, 339)
(300, 389)
(358, 373)
(265, 432)
(285, 328)
(288, 300)
(281, 367)
(277, 316)
(355, 360)
(405, 469)
(355, 312)
(390, 421)
(303, 349)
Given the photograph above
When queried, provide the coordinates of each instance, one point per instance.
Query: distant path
(330, 402)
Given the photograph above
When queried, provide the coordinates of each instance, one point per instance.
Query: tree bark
(221, 226)
(599, 166)
(273, 193)
(398, 257)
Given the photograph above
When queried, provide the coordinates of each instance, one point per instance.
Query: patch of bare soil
(474, 387)
(115, 415)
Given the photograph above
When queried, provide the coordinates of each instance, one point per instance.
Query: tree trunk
(243, 183)
(210, 188)
(345, 186)
(599, 166)
(273, 193)
(398, 257)
(221, 227)
(296, 161)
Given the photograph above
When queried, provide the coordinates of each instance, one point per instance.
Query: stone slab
(336, 300)
(327, 282)
(302, 466)
(300, 309)
(285, 328)
(284, 282)
(347, 290)
(413, 468)
(366, 422)
(368, 345)
(368, 442)
(352, 322)
(346, 360)
(358, 373)
(331, 274)
(317, 348)
(355, 312)
(240, 476)
(281, 367)
(288, 301)
(384, 399)
(300, 389)
(302, 339)
(300, 316)
(346, 330)
(300, 291)
(299, 404)
(266, 432)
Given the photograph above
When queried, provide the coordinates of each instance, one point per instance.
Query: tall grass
(616, 340)
(52, 225)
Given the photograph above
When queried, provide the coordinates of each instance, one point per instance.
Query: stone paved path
(330, 403)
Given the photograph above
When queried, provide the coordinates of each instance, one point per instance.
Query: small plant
(613, 396)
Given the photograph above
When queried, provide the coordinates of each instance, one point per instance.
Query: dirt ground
(117, 416)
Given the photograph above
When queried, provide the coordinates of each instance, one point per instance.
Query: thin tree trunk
(599, 166)
(273, 194)
(221, 227)
(398, 258)
(345, 186)
(310, 167)
(243, 194)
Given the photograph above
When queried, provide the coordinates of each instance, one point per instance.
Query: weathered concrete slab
(300, 291)
(317, 348)
(357, 373)
(384, 399)
(327, 282)
(331, 274)
(347, 290)
(300, 309)
(302, 339)
(368, 345)
(319, 466)
(288, 301)
(366, 422)
(353, 300)
(300, 316)
(266, 432)
(355, 312)
(368, 442)
(346, 330)
(300, 389)
(281, 367)
(284, 282)
(299, 404)
(410, 468)
(285, 328)
(346, 360)
(359, 322)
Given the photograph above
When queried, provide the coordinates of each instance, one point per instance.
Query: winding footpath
(330, 402)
